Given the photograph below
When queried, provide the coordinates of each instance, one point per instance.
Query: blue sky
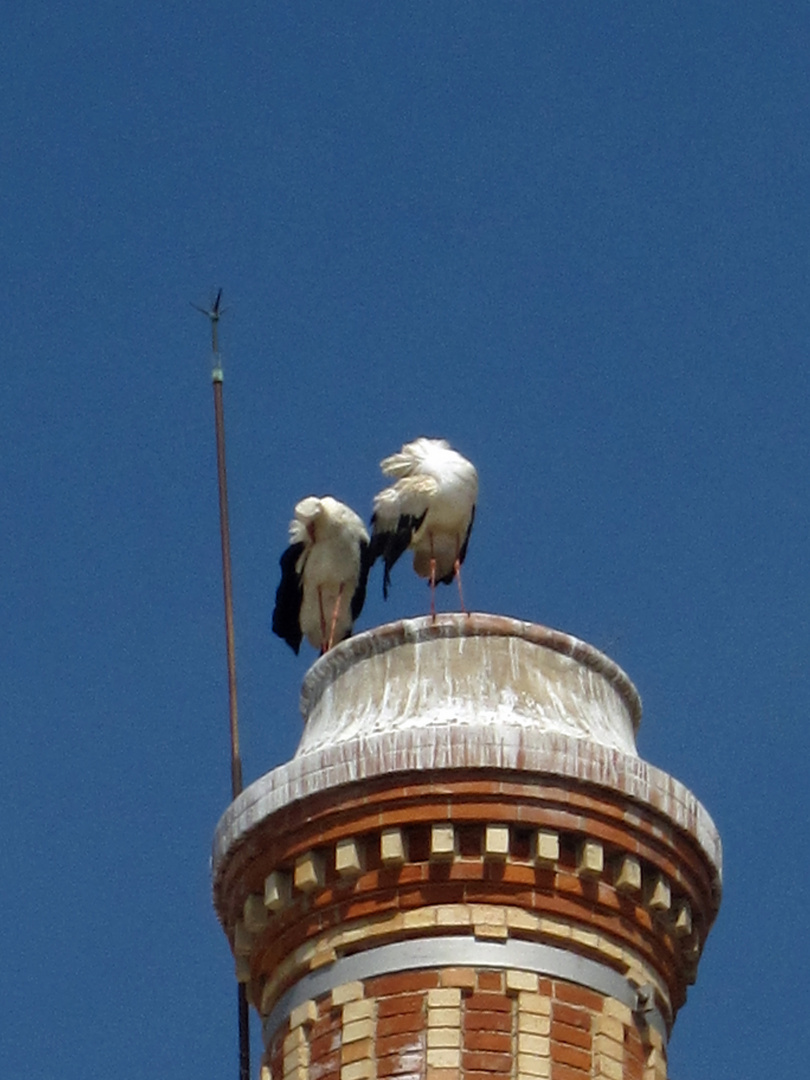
(572, 239)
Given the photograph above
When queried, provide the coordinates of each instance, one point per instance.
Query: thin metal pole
(236, 761)
(224, 529)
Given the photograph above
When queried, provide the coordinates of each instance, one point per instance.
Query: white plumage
(430, 509)
(323, 574)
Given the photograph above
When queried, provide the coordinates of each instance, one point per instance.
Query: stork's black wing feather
(359, 597)
(391, 545)
(287, 612)
(462, 555)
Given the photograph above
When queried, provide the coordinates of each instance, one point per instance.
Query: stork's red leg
(432, 580)
(324, 646)
(457, 574)
(457, 571)
(335, 615)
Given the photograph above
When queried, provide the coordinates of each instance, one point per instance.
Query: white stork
(323, 574)
(429, 509)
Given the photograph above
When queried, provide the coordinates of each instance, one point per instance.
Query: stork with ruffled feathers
(429, 510)
(323, 574)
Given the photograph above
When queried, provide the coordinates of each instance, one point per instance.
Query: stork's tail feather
(393, 544)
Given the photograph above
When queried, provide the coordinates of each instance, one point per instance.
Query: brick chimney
(466, 872)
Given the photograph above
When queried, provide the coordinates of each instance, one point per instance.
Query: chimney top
(468, 670)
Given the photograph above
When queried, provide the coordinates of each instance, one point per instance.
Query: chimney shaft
(466, 871)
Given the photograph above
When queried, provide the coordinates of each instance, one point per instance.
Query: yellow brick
(656, 1066)
(442, 841)
(242, 940)
(546, 846)
(350, 991)
(310, 871)
(534, 1003)
(356, 1051)
(534, 1024)
(554, 928)
(419, 919)
(444, 1017)
(534, 1044)
(496, 842)
(348, 857)
(607, 1068)
(487, 930)
(392, 847)
(444, 997)
(459, 976)
(277, 890)
(453, 915)
(628, 876)
(358, 1070)
(584, 937)
(294, 1040)
(264, 1073)
(610, 1027)
(683, 920)
(612, 1048)
(591, 858)
(323, 954)
(443, 1036)
(521, 980)
(660, 896)
(442, 1058)
(296, 1072)
(608, 947)
(488, 914)
(295, 1059)
(359, 1029)
(358, 1010)
(254, 914)
(305, 1013)
(517, 919)
(614, 1008)
(532, 1066)
(242, 969)
(655, 1039)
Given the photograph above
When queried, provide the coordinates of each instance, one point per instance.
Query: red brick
(565, 1072)
(394, 1044)
(567, 1033)
(328, 1071)
(633, 1068)
(400, 1003)
(404, 982)
(327, 1021)
(490, 980)
(567, 1014)
(401, 1068)
(396, 1025)
(497, 1063)
(578, 995)
(477, 1074)
(324, 1044)
(497, 1042)
(571, 1055)
(487, 1021)
(488, 1003)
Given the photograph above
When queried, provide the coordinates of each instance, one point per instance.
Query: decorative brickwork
(464, 1024)
(480, 918)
